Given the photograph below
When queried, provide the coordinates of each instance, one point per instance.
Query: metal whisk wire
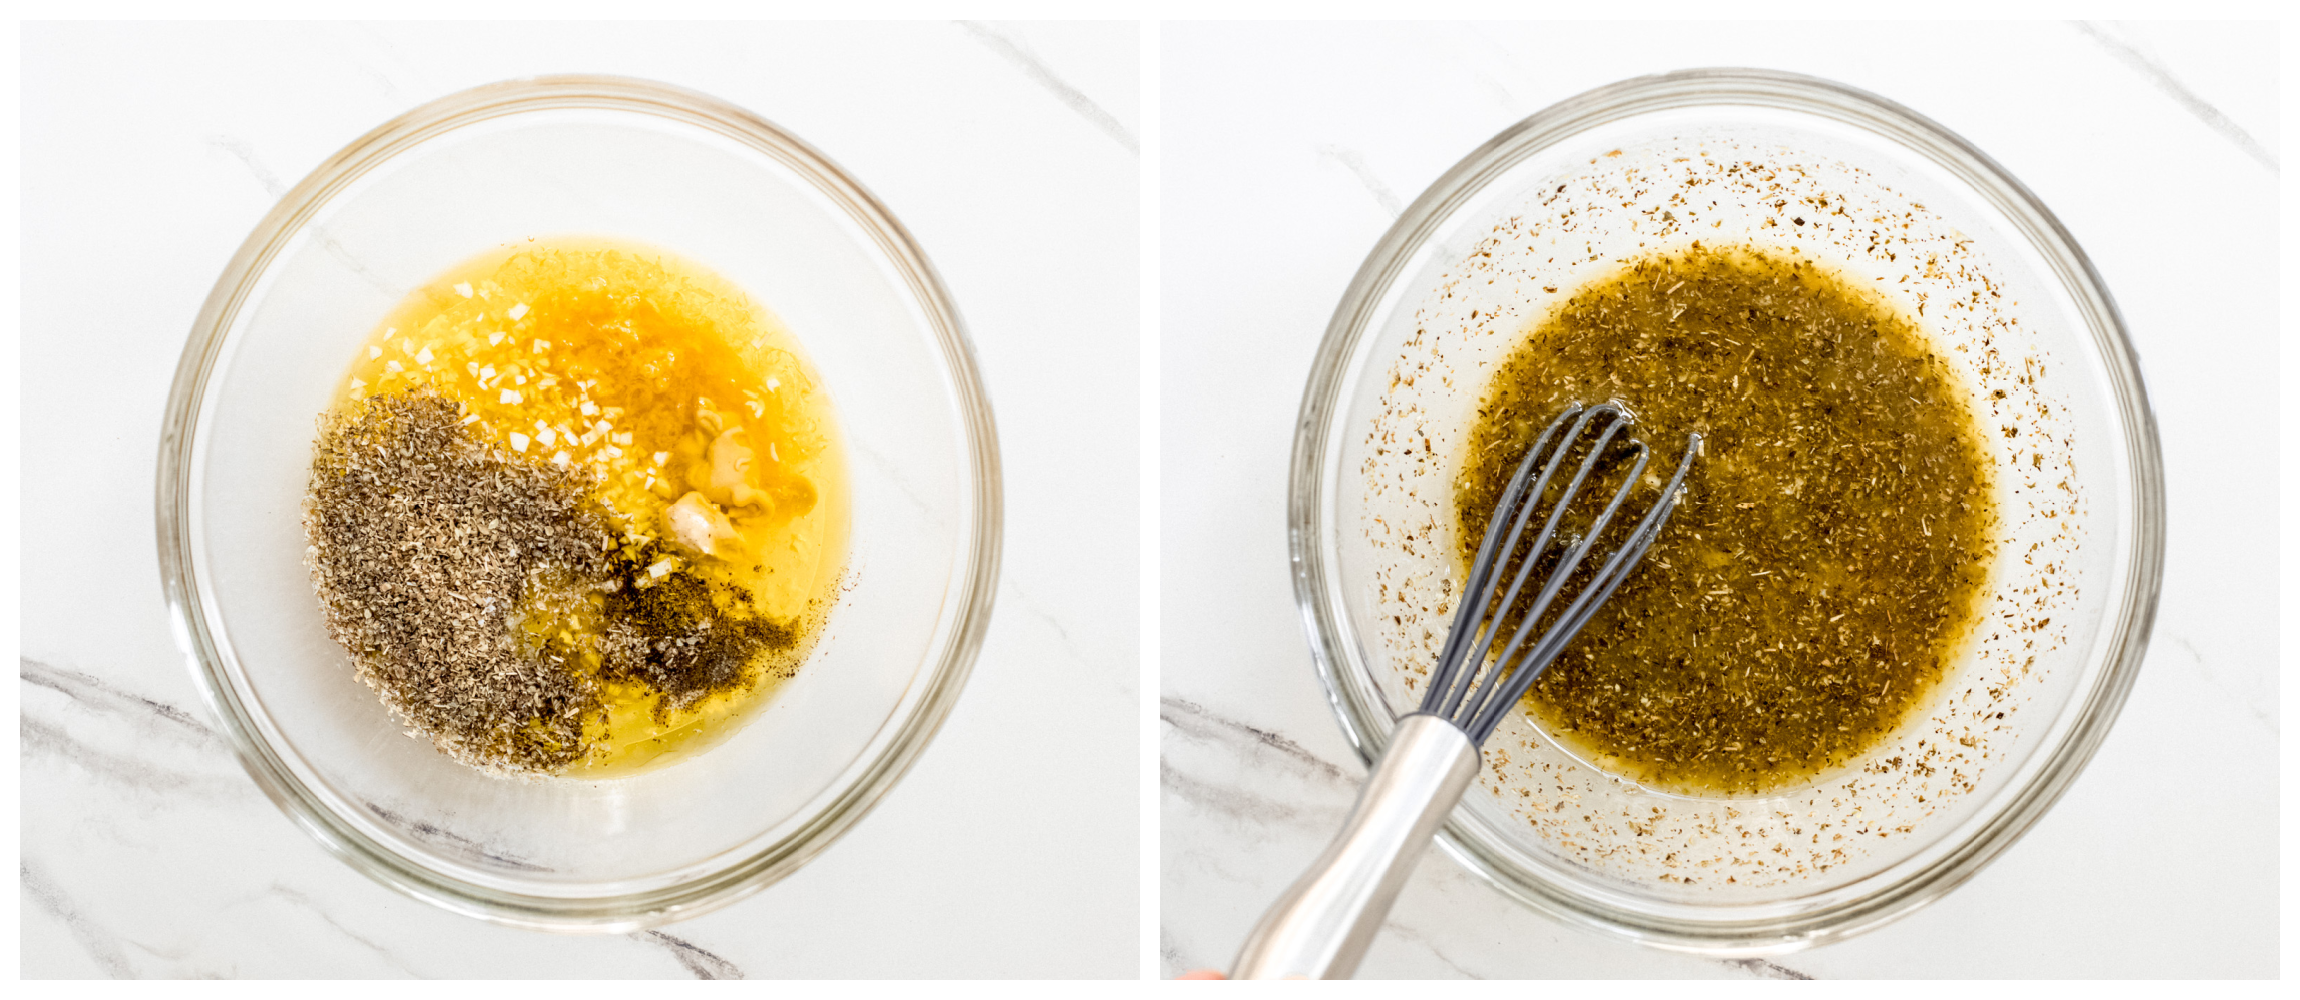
(1454, 692)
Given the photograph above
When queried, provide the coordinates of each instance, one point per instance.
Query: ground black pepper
(487, 599)
(677, 638)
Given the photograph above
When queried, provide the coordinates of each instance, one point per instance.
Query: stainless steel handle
(1320, 928)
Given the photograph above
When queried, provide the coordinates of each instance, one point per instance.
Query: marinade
(1833, 544)
(578, 508)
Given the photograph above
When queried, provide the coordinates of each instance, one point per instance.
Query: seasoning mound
(485, 597)
(423, 544)
(674, 638)
(1827, 560)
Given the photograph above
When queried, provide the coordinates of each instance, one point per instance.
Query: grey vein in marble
(1016, 596)
(399, 62)
(1070, 96)
(247, 155)
(1212, 863)
(2265, 713)
(101, 945)
(41, 737)
(2189, 100)
(893, 475)
(1011, 596)
(1171, 953)
(1198, 722)
(306, 902)
(1225, 799)
(450, 842)
(1355, 163)
(1429, 944)
(1195, 723)
(702, 964)
(276, 188)
(96, 694)
(1761, 969)
(1459, 37)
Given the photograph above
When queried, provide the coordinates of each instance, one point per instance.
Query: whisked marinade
(1834, 541)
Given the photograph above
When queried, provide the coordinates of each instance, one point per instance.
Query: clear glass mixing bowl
(600, 157)
(1885, 197)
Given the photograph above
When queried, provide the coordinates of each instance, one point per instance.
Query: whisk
(1321, 927)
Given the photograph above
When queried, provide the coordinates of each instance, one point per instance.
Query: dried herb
(485, 597)
(678, 638)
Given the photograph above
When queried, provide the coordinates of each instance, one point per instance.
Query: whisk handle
(1321, 927)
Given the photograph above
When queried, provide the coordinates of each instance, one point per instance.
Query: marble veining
(158, 730)
(451, 843)
(1194, 721)
(246, 154)
(1427, 942)
(2162, 78)
(101, 946)
(46, 732)
(2257, 700)
(305, 901)
(95, 694)
(1763, 968)
(1355, 163)
(274, 188)
(1018, 53)
(702, 964)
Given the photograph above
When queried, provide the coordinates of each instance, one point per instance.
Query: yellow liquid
(634, 363)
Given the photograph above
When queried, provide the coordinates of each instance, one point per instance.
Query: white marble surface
(149, 151)
(1287, 150)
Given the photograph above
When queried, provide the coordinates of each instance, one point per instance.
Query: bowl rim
(859, 786)
(2125, 629)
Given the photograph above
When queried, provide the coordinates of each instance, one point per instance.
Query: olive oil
(1833, 545)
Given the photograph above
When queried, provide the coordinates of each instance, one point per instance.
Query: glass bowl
(1886, 198)
(588, 157)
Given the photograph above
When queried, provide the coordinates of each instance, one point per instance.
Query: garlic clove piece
(733, 465)
(700, 526)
